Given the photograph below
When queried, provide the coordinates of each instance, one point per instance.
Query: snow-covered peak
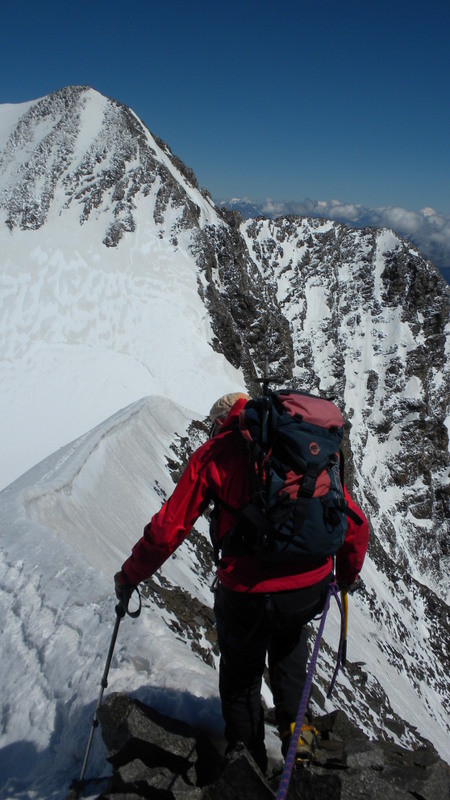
(77, 148)
(99, 283)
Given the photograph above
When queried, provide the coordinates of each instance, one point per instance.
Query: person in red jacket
(261, 607)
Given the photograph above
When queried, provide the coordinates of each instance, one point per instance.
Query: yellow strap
(304, 727)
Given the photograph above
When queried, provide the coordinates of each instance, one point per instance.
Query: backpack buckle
(308, 485)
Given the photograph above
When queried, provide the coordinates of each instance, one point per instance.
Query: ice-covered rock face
(368, 322)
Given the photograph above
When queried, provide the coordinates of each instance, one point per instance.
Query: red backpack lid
(314, 410)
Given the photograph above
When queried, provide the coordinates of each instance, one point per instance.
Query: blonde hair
(224, 404)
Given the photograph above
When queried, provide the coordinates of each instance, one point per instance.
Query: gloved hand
(123, 590)
(351, 588)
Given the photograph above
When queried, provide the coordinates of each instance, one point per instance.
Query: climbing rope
(333, 590)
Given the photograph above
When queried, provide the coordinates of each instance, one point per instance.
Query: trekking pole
(121, 610)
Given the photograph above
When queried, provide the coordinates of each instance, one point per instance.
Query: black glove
(351, 588)
(123, 590)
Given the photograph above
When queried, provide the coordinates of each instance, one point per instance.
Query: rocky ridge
(367, 316)
(155, 756)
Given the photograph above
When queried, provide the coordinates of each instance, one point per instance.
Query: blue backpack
(297, 509)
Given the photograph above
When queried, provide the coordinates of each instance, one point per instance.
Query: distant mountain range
(427, 229)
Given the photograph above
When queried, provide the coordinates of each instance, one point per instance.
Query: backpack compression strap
(306, 492)
(249, 513)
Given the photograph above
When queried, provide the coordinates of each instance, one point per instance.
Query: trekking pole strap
(135, 614)
(122, 609)
(333, 590)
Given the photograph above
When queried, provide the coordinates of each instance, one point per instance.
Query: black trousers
(249, 627)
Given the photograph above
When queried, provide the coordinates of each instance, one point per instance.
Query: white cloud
(271, 208)
(402, 220)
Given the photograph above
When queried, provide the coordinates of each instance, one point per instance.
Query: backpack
(297, 509)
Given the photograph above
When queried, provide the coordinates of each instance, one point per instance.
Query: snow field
(88, 334)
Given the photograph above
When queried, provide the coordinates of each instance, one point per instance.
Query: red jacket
(219, 469)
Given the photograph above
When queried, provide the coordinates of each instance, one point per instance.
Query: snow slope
(67, 525)
(90, 332)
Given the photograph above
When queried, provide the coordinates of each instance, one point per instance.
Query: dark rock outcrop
(154, 756)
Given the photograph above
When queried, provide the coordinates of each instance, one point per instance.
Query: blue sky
(290, 99)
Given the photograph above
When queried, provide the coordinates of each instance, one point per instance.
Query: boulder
(155, 756)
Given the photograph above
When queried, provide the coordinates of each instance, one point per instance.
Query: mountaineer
(282, 523)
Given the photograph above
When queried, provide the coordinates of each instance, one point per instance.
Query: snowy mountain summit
(88, 327)
(129, 303)
(77, 148)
